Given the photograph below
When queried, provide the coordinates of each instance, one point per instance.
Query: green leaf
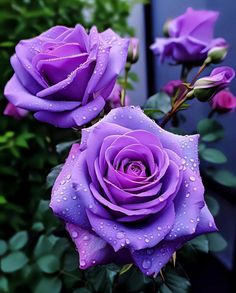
(13, 262)
(213, 156)
(158, 105)
(43, 246)
(223, 177)
(53, 175)
(64, 146)
(48, 285)
(4, 284)
(213, 205)
(216, 242)
(165, 289)
(19, 240)
(48, 264)
(176, 283)
(3, 247)
(2, 199)
(200, 243)
(38, 227)
(82, 290)
(210, 130)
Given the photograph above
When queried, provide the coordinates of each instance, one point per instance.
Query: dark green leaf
(158, 105)
(13, 262)
(19, 240)
(49, 285)
(213, 205)
(2, 199)
(43, 246)
(3, 247)
(64, 146)
(4, 284)
(53, 175)
(223, 177)
(48, 263)
(216, 242)
(213, 156)
(210, 130)
(200, 243)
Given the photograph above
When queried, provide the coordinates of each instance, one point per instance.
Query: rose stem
(183, 97)
(123, 92)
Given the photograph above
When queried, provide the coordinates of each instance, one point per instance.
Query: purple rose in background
(206, 87)
(15, 112)
(224, 102)
(114, 98)
(131, 192)
(172, 86)
(191, 36)
(65, 74)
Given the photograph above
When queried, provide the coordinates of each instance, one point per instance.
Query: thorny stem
(180, 101)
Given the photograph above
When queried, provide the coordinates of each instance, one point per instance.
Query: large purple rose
(131, 192)
(191, 36)
(65, 74)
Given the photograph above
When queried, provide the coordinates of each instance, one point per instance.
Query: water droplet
(187, 195)
(68, 176)
(120, 235)
(74, 234)
(146, 240)
(85, 238)
(192, 178)
(82, 263)
(84, 117)
(210, 224)
(62, 182)
(146, 264)
(74, 197)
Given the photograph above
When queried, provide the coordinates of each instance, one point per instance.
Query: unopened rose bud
(224, 102)
(133, 53)
(16, 112)
(218, 53)
(166, 28)
(205, 88)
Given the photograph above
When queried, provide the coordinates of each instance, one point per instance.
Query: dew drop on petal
(146, 264)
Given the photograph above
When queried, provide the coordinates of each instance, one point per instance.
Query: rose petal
(65, 202)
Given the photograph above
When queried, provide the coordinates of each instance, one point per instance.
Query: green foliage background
(35, 255)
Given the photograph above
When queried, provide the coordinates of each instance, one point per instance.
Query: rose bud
(224, 102)
(114, 99)
(171, 87)
(16, 112)
(133, 52)
(205, 88)
(217, 54)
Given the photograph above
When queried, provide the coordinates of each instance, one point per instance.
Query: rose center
(135, 168)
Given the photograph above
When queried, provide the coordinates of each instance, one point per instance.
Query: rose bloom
(131, 192)
(191, 36)
(66, 74)
(206, 87)
(15, 112)
(224, 102)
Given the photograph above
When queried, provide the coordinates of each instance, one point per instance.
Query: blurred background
(29, 234)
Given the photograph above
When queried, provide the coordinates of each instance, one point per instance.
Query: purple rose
(65, 74)
(224, 102)
(131, 192)
(172, 86)
(191, 36)
(206, 87)
(15, 112)
(133, 52)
